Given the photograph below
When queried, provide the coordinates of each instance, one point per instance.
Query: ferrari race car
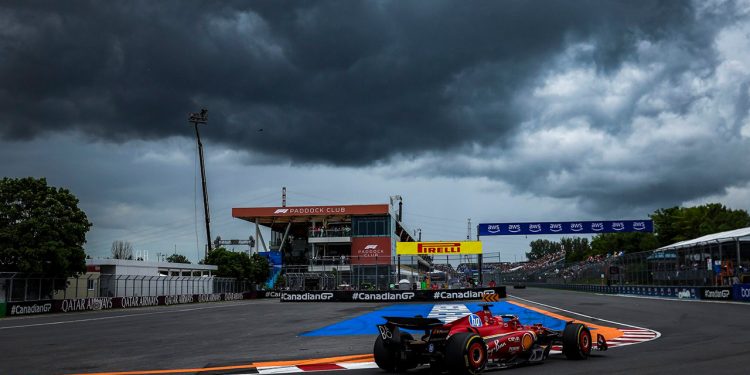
(476, 342)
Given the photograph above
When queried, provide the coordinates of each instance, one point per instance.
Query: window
(90, 284)
(369, 226)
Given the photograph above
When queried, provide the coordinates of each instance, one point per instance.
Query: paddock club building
(355, 243)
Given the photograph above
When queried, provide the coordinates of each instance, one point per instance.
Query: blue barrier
(741, 292)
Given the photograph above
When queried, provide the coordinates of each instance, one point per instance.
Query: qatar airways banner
(569, 227)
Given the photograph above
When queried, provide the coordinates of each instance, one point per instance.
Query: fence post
(377, 281)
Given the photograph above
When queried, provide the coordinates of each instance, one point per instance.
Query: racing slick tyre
(576, 341)
(390, 360)
(465, 353)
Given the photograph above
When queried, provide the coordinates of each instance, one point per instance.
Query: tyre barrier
(737, 292)
(390, 295)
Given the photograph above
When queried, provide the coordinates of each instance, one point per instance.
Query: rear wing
(417, 323)
(391, 332)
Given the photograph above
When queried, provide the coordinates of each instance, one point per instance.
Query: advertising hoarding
(371, 250)
(391, 295)
(439, 248)
(569, 227)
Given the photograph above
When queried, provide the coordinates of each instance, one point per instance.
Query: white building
(124, 278)
(144, 268)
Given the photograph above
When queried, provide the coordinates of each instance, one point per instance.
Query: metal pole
(202, 118)
(739, 261)
(481, 274)
(377, 283)
(398, 268)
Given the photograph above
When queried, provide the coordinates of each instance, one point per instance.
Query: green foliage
(683, 223)
(260, 269)
(671, 224)
(178, 258)
(626, 242)
(239, 265)
(42, 230)
(575, 248)
(540, 248)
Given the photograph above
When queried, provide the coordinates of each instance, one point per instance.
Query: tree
(42, 230)
(122, 250)
(238, 265)
(607, 243)
(683, 223)
(540, 248)
(260, 269)
(177, 258)
(575, 248)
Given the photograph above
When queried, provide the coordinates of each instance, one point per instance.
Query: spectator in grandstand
(735, 280)
(492, 284)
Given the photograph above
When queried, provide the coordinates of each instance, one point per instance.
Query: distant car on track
(476, 342)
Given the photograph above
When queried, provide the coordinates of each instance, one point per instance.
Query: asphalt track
(697, 337)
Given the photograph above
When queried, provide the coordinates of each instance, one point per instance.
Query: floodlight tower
(196, 119)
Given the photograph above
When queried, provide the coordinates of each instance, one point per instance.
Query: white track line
(672, 299)
(121, 316)
(658, 334)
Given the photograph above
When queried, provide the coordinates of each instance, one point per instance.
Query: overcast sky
(491, 110)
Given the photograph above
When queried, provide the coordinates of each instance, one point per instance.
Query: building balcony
(339, 235)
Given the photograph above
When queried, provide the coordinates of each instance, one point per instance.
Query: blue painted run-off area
(365, 324)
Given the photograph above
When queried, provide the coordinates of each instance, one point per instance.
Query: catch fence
(16, 287)
(710, 264)
(382, 273)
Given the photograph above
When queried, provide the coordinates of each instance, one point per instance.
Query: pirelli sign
(439, 248)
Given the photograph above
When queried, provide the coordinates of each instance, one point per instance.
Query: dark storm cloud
(341, 83)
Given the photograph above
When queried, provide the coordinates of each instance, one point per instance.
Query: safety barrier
(741, 292)
(738, 292)
(107, 303)
(390, 295)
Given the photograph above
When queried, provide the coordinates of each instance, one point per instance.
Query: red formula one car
(476, 342)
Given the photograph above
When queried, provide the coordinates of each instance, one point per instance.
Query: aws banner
(570, 227)
(439, 247)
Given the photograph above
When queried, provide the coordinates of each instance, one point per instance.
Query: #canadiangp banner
(439, 247)
(569, 227)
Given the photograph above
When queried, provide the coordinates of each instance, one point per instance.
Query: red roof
(276, 213)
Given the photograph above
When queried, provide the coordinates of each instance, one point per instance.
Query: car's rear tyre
(389, 359)
(465, 353)
(576, 341)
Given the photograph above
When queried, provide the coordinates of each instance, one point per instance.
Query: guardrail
(737, 292)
